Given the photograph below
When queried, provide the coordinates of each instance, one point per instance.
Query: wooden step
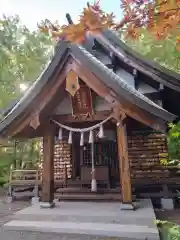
(87, 190)
(88, 197)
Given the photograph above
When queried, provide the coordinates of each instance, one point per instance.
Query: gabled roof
(118, 84)
(126, 54)
(36, 87)
(104, 74)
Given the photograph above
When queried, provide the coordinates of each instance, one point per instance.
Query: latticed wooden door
(105, 153)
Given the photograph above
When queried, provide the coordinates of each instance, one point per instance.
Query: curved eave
(108, 78)
(119, 86)
(136, 60)
(35, 89)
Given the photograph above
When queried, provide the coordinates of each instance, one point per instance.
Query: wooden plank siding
(144, 153)
(145, 149)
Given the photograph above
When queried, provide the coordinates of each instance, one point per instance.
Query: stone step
(93, 229)
(91, 209)
(53, 236)
(122, 219)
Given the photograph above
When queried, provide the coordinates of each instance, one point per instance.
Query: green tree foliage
(168, 230)
(23, 54)
(19, 155)
(174, 143)
(6, 159)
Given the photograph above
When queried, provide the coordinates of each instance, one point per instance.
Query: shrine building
(102, 112)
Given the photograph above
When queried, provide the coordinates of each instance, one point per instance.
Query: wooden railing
(24, 177)
(32, 178)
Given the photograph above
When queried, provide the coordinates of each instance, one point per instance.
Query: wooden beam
(48, 168)
(51, 90)
(74, 154)
(105, 92)
(153, 96)
(38, 105)
(125, 175)
(98, 116)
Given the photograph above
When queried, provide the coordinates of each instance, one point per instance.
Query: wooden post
(125, 175)
(48, 169)
(73, 158)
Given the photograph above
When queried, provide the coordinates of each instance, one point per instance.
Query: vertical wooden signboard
(82, 106)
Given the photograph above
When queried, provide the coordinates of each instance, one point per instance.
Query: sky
(34, 11)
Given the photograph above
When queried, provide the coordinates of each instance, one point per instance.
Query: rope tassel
(60, 134)
(101, 132)
(91, 137)
(83, 129)
(70, 137)
(82, 139)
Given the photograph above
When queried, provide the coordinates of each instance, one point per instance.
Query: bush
(168, 230)
(174, 141)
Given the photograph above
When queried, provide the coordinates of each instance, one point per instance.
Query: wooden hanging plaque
(82, 102)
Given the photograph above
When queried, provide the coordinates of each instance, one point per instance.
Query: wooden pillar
(125, 175)
(48, 168)
(73, 147)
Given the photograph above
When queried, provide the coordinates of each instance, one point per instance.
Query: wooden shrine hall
(103, 112)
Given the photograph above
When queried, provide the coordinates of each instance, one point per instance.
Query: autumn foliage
(92, 20)
(160, 17)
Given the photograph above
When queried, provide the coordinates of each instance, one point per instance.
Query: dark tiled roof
(138, 61)
(107, 76)
(118, 84)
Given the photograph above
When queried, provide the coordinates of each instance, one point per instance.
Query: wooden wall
(146, 149)
(62, 157)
